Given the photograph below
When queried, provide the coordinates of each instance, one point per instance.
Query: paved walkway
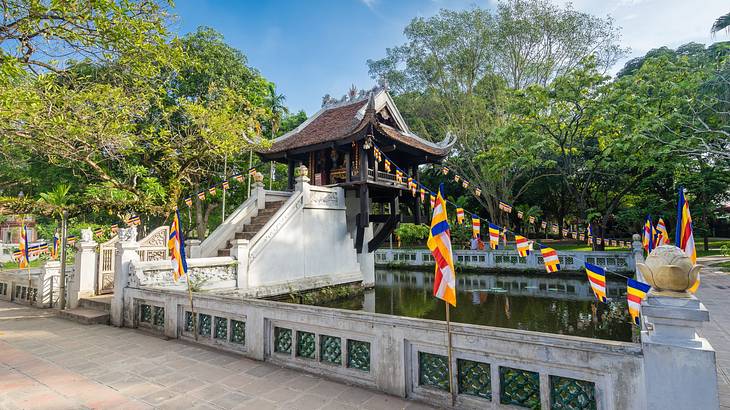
(715, 295)
(51, 363)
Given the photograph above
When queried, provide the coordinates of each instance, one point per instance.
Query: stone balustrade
(41, 290)
(508, 259)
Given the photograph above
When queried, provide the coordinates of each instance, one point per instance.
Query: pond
(562, 305)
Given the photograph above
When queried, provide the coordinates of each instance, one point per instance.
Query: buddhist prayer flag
(189, 201)
(505, 207)
(477, 191)
(457, 178)
(211, 191)
(386, 165)
(71, 239)
(647, 239)
(465, 184)
(520, 214)
(476, 226)
(252, 170)
(574, 235)
(433, 201)
(635, 293)
(493, 236)
(550, 258)
(662, 236)
(445, 170)
(597, 279)
(460, 215)
(24, 260)
(565, 232)
(99, 232)
(532, 219)
(684, 238)
(133, 220)
(439, 243)
(423, 195)
(582, 237)
(523, 246)
(201, 195)
(543, 224)
(399, 176)
(377, 155)
(556, 229)
(176, 245)
(238, 177)
(114, 228)
(599, 241)
(225, 184)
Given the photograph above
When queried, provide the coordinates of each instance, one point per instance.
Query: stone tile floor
(714, 292)
(50, 363)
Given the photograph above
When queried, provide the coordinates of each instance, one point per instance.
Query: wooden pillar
(417, 216)
(363, 217)
(348, 167)
(290, 175)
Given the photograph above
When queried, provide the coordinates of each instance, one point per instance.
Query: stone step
(86, 316)
(254, 226)
(101, 303)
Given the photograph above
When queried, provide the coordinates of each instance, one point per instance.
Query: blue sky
(313, 47)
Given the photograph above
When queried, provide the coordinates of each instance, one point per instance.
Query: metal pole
(225, 178)
(62, 279)
(448, 344)
(271, 175)
(192, 309)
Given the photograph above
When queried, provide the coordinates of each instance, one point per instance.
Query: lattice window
(282, 340)
(204, 324)
(189, 322)
(358, 355)
(475, 378)
(238, 332)
(306, 345)
(145, 314)
(433, 370)
(159, 316)
(221, 328)
(519, 387)
(330, 349)
(567, 393)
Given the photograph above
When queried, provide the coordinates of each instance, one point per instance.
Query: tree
(722, 23)
(58, 201)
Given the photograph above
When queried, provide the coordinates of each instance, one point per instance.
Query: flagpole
(192, 309)
(448, 346)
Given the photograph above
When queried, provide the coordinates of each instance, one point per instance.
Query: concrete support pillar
(49, 283)
(679, 365)
(239, 250)
(82, 283)
(126, 254)
(260, 193)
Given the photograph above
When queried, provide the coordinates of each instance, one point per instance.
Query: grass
(35, 263)
(722, 265)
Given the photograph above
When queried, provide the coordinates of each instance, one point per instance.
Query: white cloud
(369, 3)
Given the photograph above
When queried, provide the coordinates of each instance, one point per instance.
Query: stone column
(679, 365)
(49, 283)
(637, 249)
(239, 250)
(126, 254)
(85, 270)
(259, 191)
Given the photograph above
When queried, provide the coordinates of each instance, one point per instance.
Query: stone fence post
(192, 248)
(679, 365)
(81, 283)
(126, 254)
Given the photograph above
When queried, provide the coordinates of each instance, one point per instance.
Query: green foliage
(412, 233)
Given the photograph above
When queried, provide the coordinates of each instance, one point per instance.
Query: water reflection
(545, 304)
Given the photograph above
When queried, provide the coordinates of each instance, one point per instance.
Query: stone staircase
(254, 226)
(92, 310)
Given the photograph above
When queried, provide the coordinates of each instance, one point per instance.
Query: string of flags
(636, 290)
(225, 185)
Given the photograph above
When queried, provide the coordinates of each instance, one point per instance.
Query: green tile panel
(358, 355)
(475, 378)
(433, 370)
(238, 332)
(204, 324)
(567, 393)
(221, 328)
(282, 340)
(519, 387)
(306, 345)
(330, 349)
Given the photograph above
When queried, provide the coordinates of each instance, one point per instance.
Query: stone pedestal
(192, 248)
(126, 254)
(260, 193)
(679, 365)
(638, 250)
(85, 272)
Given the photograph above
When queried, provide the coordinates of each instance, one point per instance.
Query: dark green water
(531, 302)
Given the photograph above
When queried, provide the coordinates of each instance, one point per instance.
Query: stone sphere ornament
(669, 271)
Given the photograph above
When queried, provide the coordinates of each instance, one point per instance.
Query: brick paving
(51, 363)
(715, 295)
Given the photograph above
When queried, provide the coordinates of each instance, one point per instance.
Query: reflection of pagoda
(336, 146)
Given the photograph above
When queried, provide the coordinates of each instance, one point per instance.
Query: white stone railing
(205, 273)
(41, 291)
(403, 356)
(509, 259)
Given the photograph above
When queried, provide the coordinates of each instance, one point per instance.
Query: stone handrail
(210, 273)
(276, 222)
(509, 259)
